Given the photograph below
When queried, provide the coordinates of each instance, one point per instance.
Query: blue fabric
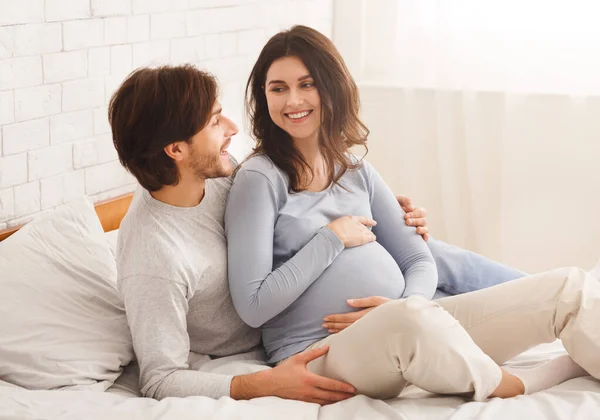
(462, 271)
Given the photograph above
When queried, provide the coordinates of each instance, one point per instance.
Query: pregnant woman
(310, 227)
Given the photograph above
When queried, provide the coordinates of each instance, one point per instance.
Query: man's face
(208, 150)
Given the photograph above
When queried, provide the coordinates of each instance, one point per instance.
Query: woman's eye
(277, 90)
(307, 85)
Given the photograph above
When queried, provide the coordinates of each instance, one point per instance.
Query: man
(170, 133)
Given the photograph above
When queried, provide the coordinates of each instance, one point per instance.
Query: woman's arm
(406, 246)
(259, 293)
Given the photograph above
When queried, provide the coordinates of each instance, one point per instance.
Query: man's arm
(292, 380)
(414, 216)
(156, 312)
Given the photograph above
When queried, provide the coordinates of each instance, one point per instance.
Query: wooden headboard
(110, 212)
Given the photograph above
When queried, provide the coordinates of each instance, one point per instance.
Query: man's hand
(414, 216)
(338, 322)
(293, 381)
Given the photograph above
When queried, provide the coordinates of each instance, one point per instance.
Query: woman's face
(293, 99)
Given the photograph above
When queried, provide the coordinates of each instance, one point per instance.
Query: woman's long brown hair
(341, 127)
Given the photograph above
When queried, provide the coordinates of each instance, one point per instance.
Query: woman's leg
(508, 319)
(417, 341)
(410, 340)
(462, 271)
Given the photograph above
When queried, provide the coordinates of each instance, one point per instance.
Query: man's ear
(176, 151)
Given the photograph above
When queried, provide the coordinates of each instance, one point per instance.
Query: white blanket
(575, 399)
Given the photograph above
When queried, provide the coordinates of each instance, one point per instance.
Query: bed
(59, 359)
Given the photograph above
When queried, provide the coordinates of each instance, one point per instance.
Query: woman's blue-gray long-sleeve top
(287, 270)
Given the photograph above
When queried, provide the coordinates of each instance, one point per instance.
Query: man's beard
(208, 166)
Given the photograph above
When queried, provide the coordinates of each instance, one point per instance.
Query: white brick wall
(36, 102)
(37, 38)
(24, 136)
(61, 60)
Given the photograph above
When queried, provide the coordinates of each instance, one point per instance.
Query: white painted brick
(97, 150)
(80, 34)
(121, 58)
(49, 161)
(62, 189)
(158, 6)
(105, 177)
(83, 94)
(7, 41)
(20, 72)
(138, 28)
(99, 61)
(105, 195)
(155, 52)
(167, 25)
(14, 12)
(187, 50)
(61, 67)
(228, 44)
(101, 125)
(27, 198)
(229, 69)
(115, 30)
(197, 4)
(222, 19)
(59, 10)
(38, 38)
(111, 85)
(71, 126)
(7, 205)
(149, 6)
(85, 154)
(111, 7)
(13, 170)
(106, 148)
(212, 43)
(251, 41)
(36, 102)
(7, 107)
(28, 135)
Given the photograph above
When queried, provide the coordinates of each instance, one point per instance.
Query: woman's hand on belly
(337, 322)
(353, 230)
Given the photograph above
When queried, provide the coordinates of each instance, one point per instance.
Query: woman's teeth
(299, 115)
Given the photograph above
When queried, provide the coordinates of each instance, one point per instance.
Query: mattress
(574, 399)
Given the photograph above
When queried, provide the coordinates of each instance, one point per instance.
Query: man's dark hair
(153, 108)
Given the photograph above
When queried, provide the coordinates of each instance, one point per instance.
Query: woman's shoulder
(362, 166)
(262, 164)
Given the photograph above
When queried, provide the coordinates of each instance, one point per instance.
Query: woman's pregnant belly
(363, 271)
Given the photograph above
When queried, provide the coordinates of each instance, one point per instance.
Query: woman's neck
(310, 150)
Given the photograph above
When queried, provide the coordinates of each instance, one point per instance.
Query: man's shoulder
(140, 236)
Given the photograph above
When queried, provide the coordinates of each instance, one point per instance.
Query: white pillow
(111, 238)
(62, 323)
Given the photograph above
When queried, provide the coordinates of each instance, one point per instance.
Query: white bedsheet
(575, 399)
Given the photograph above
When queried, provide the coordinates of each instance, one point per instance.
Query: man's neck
(184, 194)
